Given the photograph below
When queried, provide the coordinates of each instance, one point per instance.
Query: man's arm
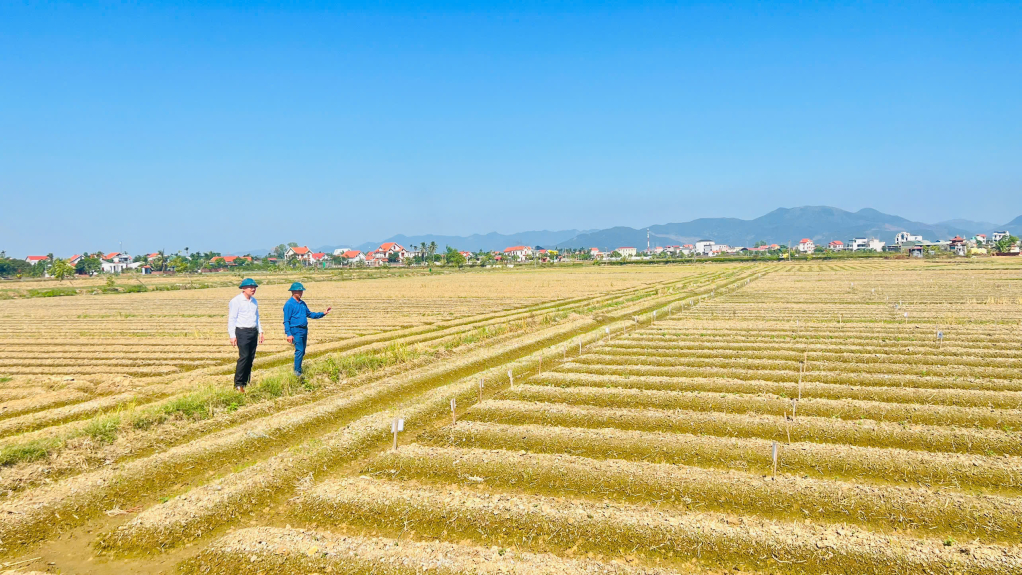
(259, 324)
(287, 322)
(232, 321)
(316, 314)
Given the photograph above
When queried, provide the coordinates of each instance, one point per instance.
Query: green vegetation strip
(599, 357)
(951, 397)
(861, 464)
(866, 433)
(925, 512)
(273, 550)
(554, 524)
(596, 366)
(846, 409)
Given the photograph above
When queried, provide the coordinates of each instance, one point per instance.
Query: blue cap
(297, 286)
(248, 282)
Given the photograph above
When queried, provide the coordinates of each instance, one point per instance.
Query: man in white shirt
(243, 327)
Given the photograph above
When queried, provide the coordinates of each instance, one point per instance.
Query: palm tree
(432, 250)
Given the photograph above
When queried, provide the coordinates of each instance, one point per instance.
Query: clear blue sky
(238, 125)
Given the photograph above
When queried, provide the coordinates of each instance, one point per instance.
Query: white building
(519, 253)
(627, 251)
(904, 237)
(383, 252)
(856, 244)
(705, 247)
(353, 256)
(875, 245)
(806, 246)
(115, 263)
(998, 236)
(300, 253)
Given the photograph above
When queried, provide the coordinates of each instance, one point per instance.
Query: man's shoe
(239, 388)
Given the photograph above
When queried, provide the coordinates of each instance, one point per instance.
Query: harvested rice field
(855, 416)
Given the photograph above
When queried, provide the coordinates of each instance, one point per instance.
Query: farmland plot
(691, 419)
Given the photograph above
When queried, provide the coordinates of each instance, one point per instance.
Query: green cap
(297, 286)
(248, 282)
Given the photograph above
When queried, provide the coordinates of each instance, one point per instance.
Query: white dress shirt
(242, 312)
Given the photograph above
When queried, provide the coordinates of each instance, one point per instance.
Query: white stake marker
(511, 377)
(774, 455)
(480, 390)
(454, 412)
(397, 426)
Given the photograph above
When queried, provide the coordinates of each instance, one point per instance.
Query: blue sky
(234, 125)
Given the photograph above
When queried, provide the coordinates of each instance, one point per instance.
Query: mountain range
(782, 226)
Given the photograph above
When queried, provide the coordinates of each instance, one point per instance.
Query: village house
(232, 260)
(627, 252)
(806, 246)
(115, 262)
(317, 258)
(520, 253)
(353, 256)
(595, 253)
(856, 244)
(300, 253)
(958, 245)
(36, 259)
(836, 246)
(73, 260)
(383, 252)
(980, 240)
(905, 237)
(998, 236)
(705, 247)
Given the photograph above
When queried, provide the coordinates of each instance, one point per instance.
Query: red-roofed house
(233, 260)
(36, 259)
(519, 253)
(383, 252)
(73, 260)
(300, 253)
(836, 245)
(353, 256)
(806, 246)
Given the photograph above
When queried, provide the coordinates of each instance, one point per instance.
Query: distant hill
(783, 226)
(973, 227)
(1014, 226)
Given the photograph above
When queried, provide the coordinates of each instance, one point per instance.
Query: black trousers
(248, 339)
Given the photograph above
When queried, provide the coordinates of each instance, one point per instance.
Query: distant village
(395, 254)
